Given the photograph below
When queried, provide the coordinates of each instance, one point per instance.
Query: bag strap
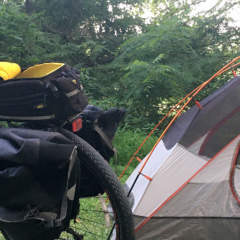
(103, 136)
(69, 194)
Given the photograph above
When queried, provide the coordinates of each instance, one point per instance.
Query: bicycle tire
(96, 164)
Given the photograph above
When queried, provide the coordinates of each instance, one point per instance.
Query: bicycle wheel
(97, 220)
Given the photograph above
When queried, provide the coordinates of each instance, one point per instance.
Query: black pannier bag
(49, 92)
(39, 179)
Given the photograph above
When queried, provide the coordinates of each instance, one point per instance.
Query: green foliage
(156, 68)
(1, 237)
(3, 124)
(22, 41)
(80, 33)
(127, 141)
(97, 27)
(123, 61)
(95, 18)
(15, 40)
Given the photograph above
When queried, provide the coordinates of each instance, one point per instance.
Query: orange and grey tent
(188, 186)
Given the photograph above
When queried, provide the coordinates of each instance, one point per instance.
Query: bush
(126, 142)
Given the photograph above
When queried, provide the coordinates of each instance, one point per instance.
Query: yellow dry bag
(9, 70)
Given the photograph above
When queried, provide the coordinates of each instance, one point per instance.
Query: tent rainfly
(188, 189)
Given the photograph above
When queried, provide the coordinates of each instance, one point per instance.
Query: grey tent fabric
(203, 200)
(194, 191)
(174, 228)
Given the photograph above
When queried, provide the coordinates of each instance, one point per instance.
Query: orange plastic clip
(77, 125)
(139, 159)
(198, 104)
(147, 177)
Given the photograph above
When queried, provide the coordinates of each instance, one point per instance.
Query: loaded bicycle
(55, 179)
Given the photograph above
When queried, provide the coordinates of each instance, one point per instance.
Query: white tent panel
(154, 163)
(237, 180)
(180, 166)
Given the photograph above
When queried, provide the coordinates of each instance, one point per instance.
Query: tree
(123, 61)
(155, 68)
(99, 27)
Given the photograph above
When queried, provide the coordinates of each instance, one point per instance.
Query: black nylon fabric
(196, 122)
(19, 98)
(33, 170)
(56, 97)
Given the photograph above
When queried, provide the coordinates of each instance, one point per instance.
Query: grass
(1, 237)
(126, 142)
(91, 221)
